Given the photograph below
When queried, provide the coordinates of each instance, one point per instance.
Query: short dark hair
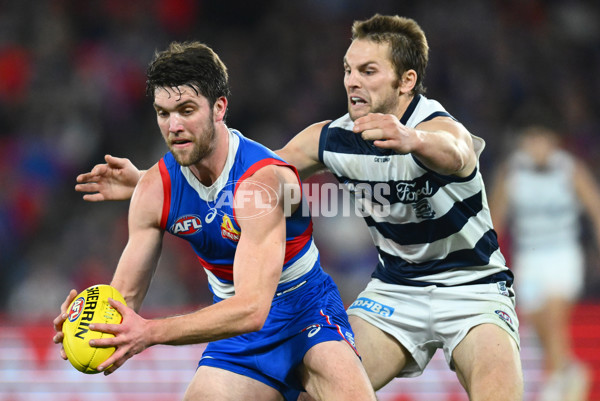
(191, 64)
(408, 44)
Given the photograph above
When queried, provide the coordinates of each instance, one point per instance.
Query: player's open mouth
(180, 142)
(355, 100)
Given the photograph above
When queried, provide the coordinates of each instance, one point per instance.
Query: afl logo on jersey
(187, 225)
(506, 317)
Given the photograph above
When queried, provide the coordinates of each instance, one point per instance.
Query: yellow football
(90, 306)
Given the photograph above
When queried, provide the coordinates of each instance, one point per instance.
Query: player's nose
(175, 123)
(351, 80)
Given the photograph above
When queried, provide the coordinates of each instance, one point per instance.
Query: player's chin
(355, 113)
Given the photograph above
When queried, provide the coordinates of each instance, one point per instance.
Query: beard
(387, 105)
(200, 149)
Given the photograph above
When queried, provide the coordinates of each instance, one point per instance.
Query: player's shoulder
(425, 103)
(423, 109)
(148, 195)
(274, 175)
(269, 188)
(151, 179)
(344, 122)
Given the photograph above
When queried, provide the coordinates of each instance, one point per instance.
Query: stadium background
(72, 89)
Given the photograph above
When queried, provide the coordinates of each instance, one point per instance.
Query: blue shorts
(311, 314)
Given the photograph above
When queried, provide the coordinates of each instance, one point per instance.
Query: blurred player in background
(441, 281)
(539, 194)
(278, 324)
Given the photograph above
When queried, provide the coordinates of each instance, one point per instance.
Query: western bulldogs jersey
(429, 229)
(204, 216)
(545, 208)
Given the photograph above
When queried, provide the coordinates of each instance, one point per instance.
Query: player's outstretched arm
(302, 151)
(114, 180)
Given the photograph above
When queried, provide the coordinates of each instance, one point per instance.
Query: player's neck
(210, 168)
(403, 104)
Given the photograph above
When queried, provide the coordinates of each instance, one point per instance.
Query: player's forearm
(225, 319)
(136, 266)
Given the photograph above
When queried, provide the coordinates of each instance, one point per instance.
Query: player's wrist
(159, 331)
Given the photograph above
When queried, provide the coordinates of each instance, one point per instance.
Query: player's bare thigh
(488, 364)
(214, 384)
(382, 355)
(332, 371)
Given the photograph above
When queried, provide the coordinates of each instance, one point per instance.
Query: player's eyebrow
(177, 106)
(362, 66)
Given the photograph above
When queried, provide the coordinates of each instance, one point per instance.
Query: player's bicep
(446, 124)
(455, 134)
(261, 249)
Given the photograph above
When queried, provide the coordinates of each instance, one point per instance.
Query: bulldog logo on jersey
(228, 231)
(187, 225)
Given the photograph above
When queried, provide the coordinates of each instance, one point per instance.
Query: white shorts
(424, 319)
(542, 274)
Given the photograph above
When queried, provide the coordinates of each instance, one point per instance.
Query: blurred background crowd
(72, 76)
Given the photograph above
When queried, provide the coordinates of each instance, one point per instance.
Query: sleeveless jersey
(204, 217)
(544, 207)
(429, 229)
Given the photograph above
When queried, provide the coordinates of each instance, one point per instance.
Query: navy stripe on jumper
(396, 270)
(437, 114)
(430, 230)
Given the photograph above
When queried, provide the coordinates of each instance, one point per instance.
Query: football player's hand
(386, 132)
(114, 180)
(130, 337)
(59, 320)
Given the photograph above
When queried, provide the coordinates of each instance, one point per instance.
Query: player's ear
(219, 109)
(408, 81)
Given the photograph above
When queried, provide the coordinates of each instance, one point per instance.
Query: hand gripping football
(90, 306)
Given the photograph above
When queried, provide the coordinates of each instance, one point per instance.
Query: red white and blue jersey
(204, 217)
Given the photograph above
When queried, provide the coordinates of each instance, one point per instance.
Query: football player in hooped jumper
(278, 324)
